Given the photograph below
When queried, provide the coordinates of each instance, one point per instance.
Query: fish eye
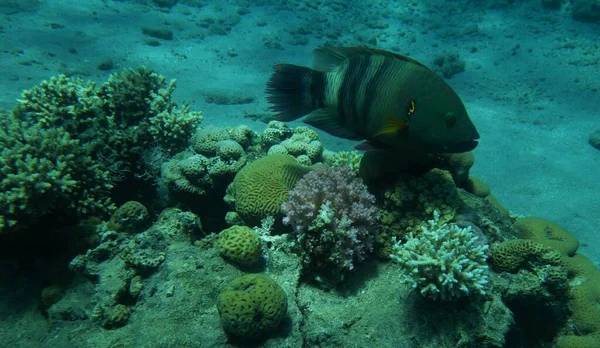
(450, 119)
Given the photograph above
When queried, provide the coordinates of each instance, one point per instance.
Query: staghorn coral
(443, 262)
(334, 218)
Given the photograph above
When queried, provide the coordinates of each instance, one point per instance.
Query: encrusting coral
(444, 261)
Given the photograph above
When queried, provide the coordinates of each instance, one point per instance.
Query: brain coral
(261, 186)
(251, 306)
(239, 244)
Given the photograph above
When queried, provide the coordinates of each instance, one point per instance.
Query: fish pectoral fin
(392, 125)
(326, 120)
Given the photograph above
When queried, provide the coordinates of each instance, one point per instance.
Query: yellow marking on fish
(392, 125)
(411, 108)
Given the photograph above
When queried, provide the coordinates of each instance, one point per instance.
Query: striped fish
(389, 100)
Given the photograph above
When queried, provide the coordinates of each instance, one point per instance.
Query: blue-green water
(527, 72)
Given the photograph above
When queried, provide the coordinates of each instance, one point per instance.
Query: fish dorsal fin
(328, 58)
(327, 121)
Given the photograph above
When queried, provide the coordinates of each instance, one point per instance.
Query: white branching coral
(444, 261)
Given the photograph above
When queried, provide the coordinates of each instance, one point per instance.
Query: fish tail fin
(295, 91)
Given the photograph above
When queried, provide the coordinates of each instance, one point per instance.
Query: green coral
(251, 306)
(204, 141)
(443, 261)
(343, 159)
(303, 144)
(131, 217)
(208, 140)
(275, 133)
(196, 175)
(239, 244)
(45, 171)
(260, 187)
(115, 316)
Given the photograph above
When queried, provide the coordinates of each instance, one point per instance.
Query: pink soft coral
(334, 217)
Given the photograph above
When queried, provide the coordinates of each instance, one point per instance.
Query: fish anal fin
(327, 121)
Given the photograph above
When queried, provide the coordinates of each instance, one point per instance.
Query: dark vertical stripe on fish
(357, 69)
(373, 87)
(316, 89)
(341, 97)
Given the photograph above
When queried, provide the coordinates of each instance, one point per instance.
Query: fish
(390, 101)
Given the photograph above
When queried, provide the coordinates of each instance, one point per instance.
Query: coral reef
(549, 278)
(192, 176)
(117, 267)
(448, 64)
(444, 261)
(251, 306)
(511, 255)
(334, 218)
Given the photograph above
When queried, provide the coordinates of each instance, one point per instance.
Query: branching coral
(443, 261)
(67, 143)
(44, 171)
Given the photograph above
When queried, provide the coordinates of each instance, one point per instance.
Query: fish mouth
(464, 146)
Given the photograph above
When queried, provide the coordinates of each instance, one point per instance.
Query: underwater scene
(300, 173)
